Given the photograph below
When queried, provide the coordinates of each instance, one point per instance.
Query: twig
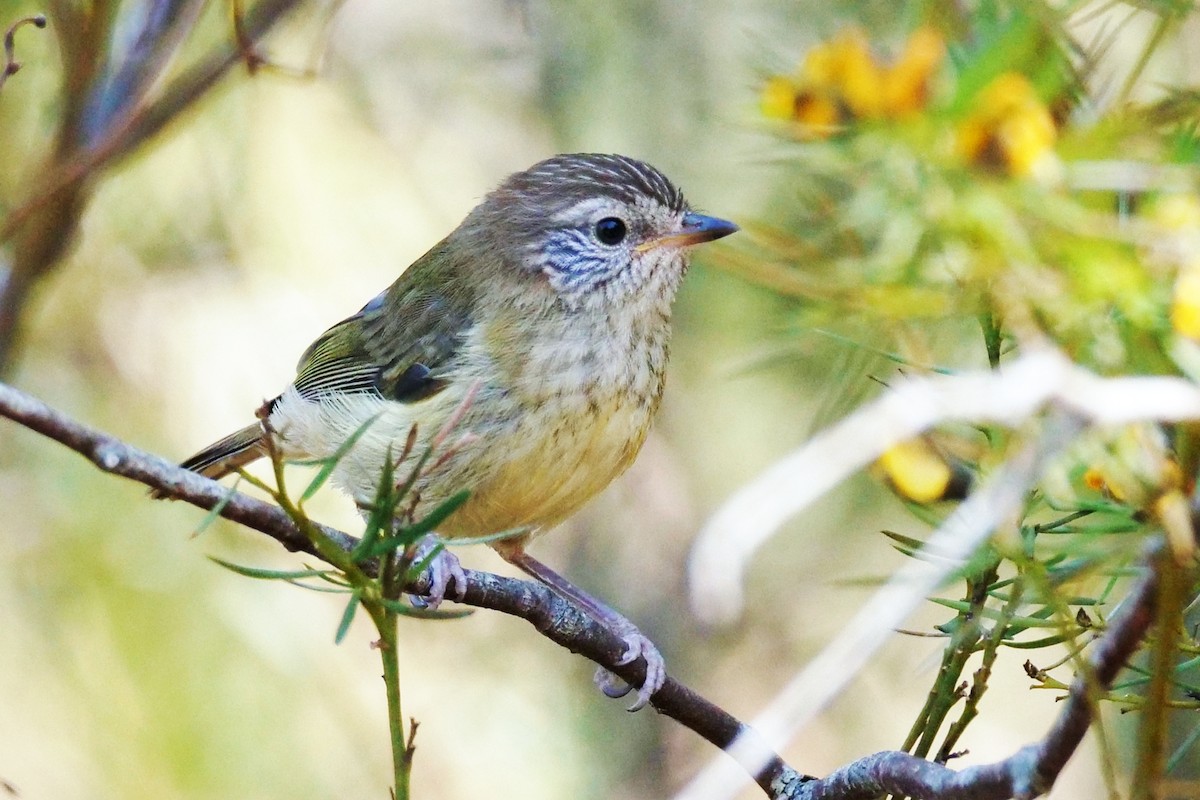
(46, 221)
(1027, 773)
(1030, 771)
(11, 65)
(1010, 396)
(554, 617)
(969, 526)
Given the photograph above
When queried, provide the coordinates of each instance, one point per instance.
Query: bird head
(600, 229)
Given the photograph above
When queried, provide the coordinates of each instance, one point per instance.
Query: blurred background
(132, 666)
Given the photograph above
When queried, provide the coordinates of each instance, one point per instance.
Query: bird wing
(401, 345)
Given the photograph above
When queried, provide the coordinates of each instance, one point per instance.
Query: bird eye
(610, 231)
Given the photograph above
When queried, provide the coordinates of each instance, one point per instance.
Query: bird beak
(696, 229)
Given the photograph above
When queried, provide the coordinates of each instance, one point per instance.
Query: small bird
(541, 325)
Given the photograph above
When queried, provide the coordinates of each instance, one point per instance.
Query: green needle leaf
(216, 510)
(1038, 619)
(347, 616)
(405, 610)
(436, 517)
(270, 574)
(1036, 644)
(314, 588)
(383, 510)
(418, 567)
(463, 541)
(413, 532)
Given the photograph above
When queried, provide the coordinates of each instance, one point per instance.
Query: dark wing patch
(416, 383)
(415, 349)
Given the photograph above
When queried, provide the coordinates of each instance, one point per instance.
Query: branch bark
(1026, 774)
(1033, 769)
(554, 617)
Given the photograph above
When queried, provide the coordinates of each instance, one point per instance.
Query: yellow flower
(1094, 480)
(919, 473)
(1026, 138)
(1185, 304)
(1011, 128)
(816, 113)
(857, 76)
(841, 81)
(778, 98)
(906, 84)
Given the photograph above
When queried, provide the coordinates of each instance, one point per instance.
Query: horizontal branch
(1026, 774)
(554, 617)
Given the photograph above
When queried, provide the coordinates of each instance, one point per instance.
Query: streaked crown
(589, 222)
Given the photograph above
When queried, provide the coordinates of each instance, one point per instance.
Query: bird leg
(443, 567)
(636, 642)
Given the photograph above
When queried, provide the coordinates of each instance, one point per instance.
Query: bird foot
(656, 668)
(441, 569)
(636, 643)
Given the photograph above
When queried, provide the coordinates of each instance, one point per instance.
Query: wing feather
(401, 345)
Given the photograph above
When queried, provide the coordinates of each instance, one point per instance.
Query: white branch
(1008, 396)
(823, 679)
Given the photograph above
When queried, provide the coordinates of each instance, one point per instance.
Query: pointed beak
(695, 229)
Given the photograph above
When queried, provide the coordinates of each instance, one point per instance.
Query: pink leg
(636, 642)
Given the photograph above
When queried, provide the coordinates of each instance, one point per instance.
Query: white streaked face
(603, 229)
(603, 246)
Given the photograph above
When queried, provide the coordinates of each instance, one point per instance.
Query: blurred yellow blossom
(906, 88)
(1011, 128)
(840, 81)
(1175, 241)
(1185, 303)
(854, 74)
(918, 472)
(778, 97)
(1135, 466)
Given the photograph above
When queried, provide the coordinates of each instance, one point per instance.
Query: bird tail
(227, 455)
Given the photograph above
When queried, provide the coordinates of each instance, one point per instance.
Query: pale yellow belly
(529, 469)
(540, 479)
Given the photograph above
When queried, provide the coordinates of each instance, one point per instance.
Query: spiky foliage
(992, 173)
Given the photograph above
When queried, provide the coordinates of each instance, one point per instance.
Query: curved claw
(612, 686)
(656, 670)
(441, 570)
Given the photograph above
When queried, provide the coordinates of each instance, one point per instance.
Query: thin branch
(554, 617)
(1032, 770)
(145, 120)
(968, 527)
(11, 65)
(45, 223)
(1026, 774)
(1011, 395)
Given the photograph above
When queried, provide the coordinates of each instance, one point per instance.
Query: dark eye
(610, 231)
